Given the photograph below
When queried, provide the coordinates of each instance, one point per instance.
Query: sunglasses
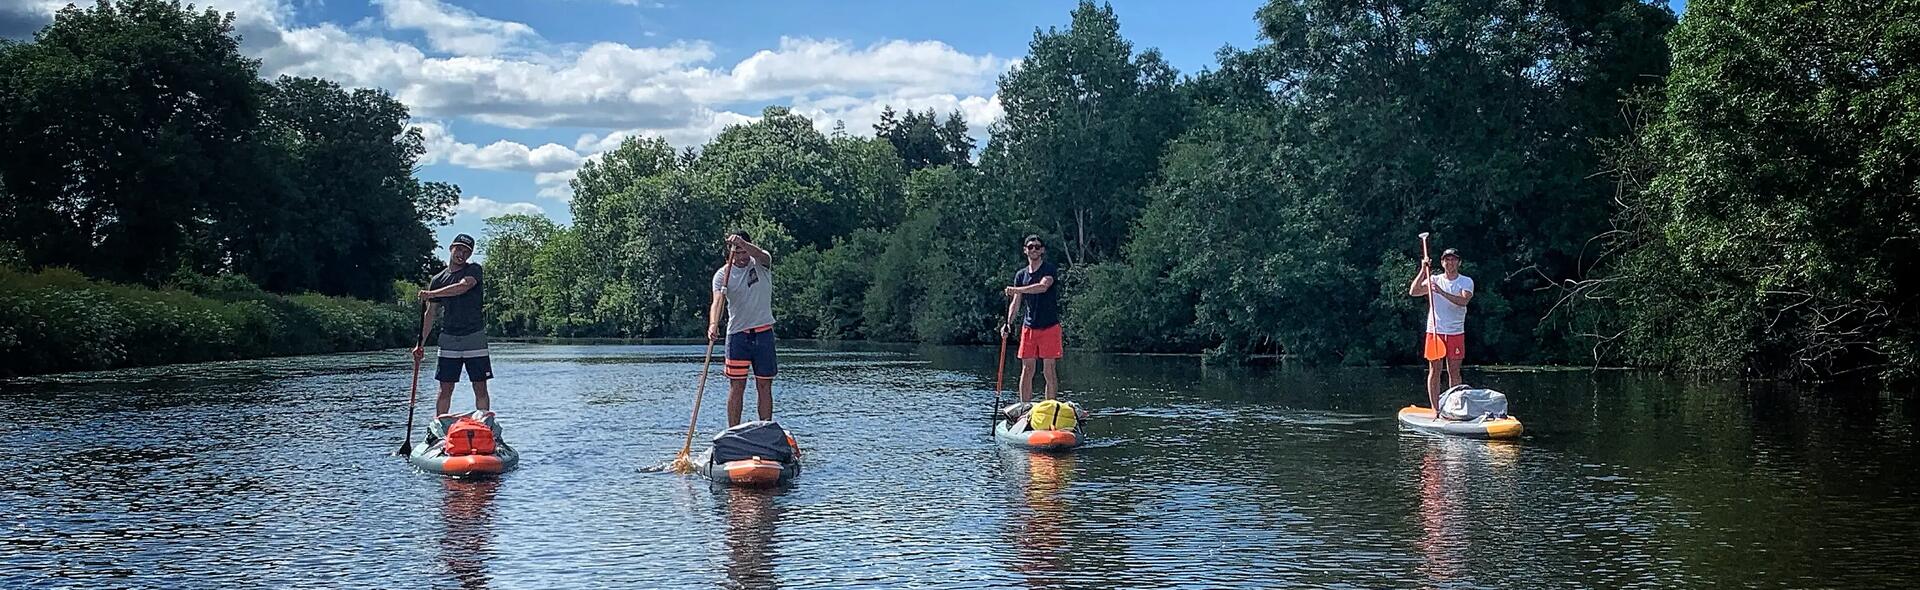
(1035, 247)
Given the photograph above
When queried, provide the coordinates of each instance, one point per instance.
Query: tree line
(1732, 191)
(1627, 187)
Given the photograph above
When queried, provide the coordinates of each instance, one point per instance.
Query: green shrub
(58, 320)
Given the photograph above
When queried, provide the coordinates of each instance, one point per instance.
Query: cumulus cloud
(442, 146)
(453, 29)
(861, 112)
(485, 208)
(803, 66)
(486, 70)
(615, 86)
(709, 124)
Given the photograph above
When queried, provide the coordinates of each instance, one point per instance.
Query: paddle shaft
(706, 364)
(413, 396)
(1000, 373)
(699, 392)
(1426, 268)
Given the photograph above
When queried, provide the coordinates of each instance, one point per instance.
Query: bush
(58, 320)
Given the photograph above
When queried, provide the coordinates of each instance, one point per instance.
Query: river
(277, 473)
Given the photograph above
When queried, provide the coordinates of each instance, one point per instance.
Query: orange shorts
(1449, 346)
(1040, 343)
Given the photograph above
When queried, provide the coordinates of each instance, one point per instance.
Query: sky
(513, 96)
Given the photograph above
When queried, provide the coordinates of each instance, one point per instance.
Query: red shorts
(1040, 343)
(1450, 346)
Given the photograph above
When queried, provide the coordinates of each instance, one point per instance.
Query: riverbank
(58, 320)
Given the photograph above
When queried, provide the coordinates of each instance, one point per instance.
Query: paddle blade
(683, 465)
(405, 448)
(1436, 348)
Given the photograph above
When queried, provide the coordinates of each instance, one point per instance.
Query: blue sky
(513, 95)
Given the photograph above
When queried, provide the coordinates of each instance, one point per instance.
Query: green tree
(511, 243)
(346, 215)
(1085, 122)
(1285, 216)
(1769, 209)
(922, 141)
(779, 169)
(122, 127)
(939, 277)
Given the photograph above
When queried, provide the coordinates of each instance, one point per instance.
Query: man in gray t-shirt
(457, 292)
(743, 289)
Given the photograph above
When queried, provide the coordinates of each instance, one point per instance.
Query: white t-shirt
(749, 291)
(1448, 317)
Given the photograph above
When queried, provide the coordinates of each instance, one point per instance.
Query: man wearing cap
(463, 332)
(1446, 338)
(743, 288)
(1040, 328)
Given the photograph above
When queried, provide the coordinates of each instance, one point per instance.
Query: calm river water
(277, 474)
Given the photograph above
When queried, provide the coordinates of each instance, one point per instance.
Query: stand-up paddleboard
(435, 456)
(1422, 419)
(754, 454)
(1013, 425)
(1017, 433)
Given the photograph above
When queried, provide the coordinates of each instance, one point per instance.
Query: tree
(1317, 156)
(1768, 218)
(1085, 122)
(346, 215)
(121, 126)
(922, 141)
(512, 242)
(137, 143)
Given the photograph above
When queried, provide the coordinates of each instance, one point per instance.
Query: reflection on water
(1466, 486)
(277, 474)
(1040, 532)
(466, 537)
(751, 520)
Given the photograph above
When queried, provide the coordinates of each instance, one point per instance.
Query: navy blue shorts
(751, 350)
(479, 368)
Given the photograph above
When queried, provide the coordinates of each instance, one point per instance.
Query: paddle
(681, 463)
(999, 376)
(413, 397)
(1433, 347)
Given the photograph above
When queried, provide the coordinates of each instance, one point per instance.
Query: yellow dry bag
(1051, 415)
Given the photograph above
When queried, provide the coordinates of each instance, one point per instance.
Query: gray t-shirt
(749, 291)
(460, 314)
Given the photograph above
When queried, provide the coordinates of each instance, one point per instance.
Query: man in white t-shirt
(1445, 342)
(743, 289)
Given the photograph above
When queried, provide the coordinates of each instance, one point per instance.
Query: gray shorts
(461, 347)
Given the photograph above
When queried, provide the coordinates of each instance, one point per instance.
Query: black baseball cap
(466, 240)
(1454, 252)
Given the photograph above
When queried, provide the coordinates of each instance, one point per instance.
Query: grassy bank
(57, 320)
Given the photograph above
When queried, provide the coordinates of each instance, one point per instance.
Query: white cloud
(616, 86)
(557, 185)
(453, 29)
(500, 155)
(806, 66)
(695, 134)
(504, 73)
(861, 113)
(485, 208)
